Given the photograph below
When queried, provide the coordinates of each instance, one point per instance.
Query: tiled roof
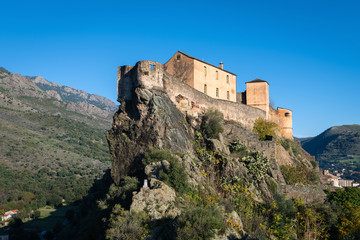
(187, 55)
(257, 80)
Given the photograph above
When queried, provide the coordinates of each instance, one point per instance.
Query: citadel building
(194, 86)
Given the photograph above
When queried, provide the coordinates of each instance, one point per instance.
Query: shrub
(126, 225)
(156, 155)
(212, 123)
(237, 146)
(286, 144)
(123, 193)
(175, 175)
(289, 144)
(265, 128)
(257, 164)
(281, 218)
(199, 223)
(299, 174)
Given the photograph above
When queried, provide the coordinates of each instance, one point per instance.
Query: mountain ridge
(51, 148)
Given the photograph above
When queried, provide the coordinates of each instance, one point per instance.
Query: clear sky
(309, 51)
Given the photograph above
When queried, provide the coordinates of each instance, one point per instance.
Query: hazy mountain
(52, 143)
(70, 94)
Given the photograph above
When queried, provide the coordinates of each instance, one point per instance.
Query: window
(217, 75)
(287, 114)
(217, 92)
(205, 71)
(228, 95)
(152, 66)
(178, 57)
(205, 89)
(227, 79)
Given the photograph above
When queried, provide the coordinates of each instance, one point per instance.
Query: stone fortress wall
(149, 74)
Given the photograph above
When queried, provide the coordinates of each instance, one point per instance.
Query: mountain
(52, 143)
(336, 149)
(70, 94)
(339, 142)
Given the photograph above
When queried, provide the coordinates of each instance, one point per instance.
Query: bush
(265, 128)
(257, 164)
(212, 123)
(299, 174)
(199, 223)
(281, 218)
(289, 144)
(127, 226)
(123, 193)
(237, 146)
(156, 155)
(175, 175)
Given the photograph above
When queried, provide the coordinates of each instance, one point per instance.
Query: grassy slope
(46, 152)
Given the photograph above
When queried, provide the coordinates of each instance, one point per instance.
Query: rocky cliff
(231, 171)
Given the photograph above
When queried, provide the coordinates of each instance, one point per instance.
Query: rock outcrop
(150, 120)
(157, 200)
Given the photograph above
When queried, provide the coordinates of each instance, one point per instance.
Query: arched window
(228, 95)
(217, 75)
(178, 57)
(205, 89)
(217, 92)
(227, 78)
(205, 71)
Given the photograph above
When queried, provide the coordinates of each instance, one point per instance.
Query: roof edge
(187, 55)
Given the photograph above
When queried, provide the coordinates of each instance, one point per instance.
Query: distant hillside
(52, 143)
(339, 142)
(70, 94)
(336, 149)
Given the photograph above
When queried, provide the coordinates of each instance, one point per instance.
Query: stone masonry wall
(149, 74)
(194, 102)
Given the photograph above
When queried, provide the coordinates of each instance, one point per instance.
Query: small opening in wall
(228, 95)
(227, 78)
(287, 114)
(205, 89)
(178, 57)
(217, 92)
(152, 66)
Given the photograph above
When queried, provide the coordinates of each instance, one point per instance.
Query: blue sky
(309, 51)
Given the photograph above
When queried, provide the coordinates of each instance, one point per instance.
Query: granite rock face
(150, 120)
(153, 169)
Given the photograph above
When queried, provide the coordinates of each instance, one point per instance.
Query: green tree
(265, 128)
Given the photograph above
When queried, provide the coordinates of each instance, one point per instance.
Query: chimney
(221, 65)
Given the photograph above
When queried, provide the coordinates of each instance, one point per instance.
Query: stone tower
(257, 95)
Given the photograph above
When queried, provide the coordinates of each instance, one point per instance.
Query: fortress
(195, 86)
